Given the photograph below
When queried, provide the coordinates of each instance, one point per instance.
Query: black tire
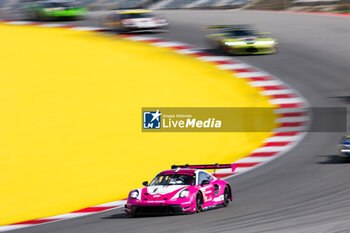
(199, 202)
(136, 214)
(227, 196)
(40, 17)
(34, 16)
(223, 49)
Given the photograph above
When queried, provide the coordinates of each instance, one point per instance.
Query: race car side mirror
(145, 183)
(205, 182)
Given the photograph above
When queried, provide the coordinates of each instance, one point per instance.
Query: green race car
(242, 39)
(46, 10)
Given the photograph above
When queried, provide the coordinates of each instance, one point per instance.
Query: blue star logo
(151, 120)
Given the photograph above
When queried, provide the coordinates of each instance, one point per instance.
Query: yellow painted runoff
(70, 118)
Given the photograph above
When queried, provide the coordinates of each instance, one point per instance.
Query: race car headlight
(128, 22)
(266, 42)
(184, 193)
(232, 43)
(134, 194)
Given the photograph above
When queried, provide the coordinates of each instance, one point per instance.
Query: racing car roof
(182, 170)
(134, 12)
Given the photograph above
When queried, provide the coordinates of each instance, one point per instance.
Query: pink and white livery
(183, 189)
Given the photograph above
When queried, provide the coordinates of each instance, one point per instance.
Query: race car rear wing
(207, 166)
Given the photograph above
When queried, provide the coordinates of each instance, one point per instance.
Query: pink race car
(183, 189)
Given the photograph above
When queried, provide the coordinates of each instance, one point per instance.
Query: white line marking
(169, 44)
(243, 169)
(69, 215)
(51, 25)
(254, 159)
(18, 22)
(282, 139)
(224, 170)
(214, 58)
(277, 92)
(270, 149)
(292, 119)
(238, 170)
(286, 100)
(113, 203)
(188, 51)
(233, 66)
(86, 28)
(14, 227)
(265, 83)
(251, 74)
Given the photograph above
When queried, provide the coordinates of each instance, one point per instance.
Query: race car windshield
(241, 33)
(56, 4)
(136, 15)
(173, 179)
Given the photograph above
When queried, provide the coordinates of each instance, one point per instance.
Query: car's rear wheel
(227, 196)
(199, 202)
(224, 49)
(137, 213)
(36, 16)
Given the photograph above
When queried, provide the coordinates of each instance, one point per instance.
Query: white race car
(134, 20)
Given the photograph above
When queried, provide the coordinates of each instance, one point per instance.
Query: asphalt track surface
(307, 189)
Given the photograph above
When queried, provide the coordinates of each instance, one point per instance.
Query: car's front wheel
(199, 202)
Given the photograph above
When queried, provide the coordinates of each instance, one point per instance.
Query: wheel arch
(201, 193)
